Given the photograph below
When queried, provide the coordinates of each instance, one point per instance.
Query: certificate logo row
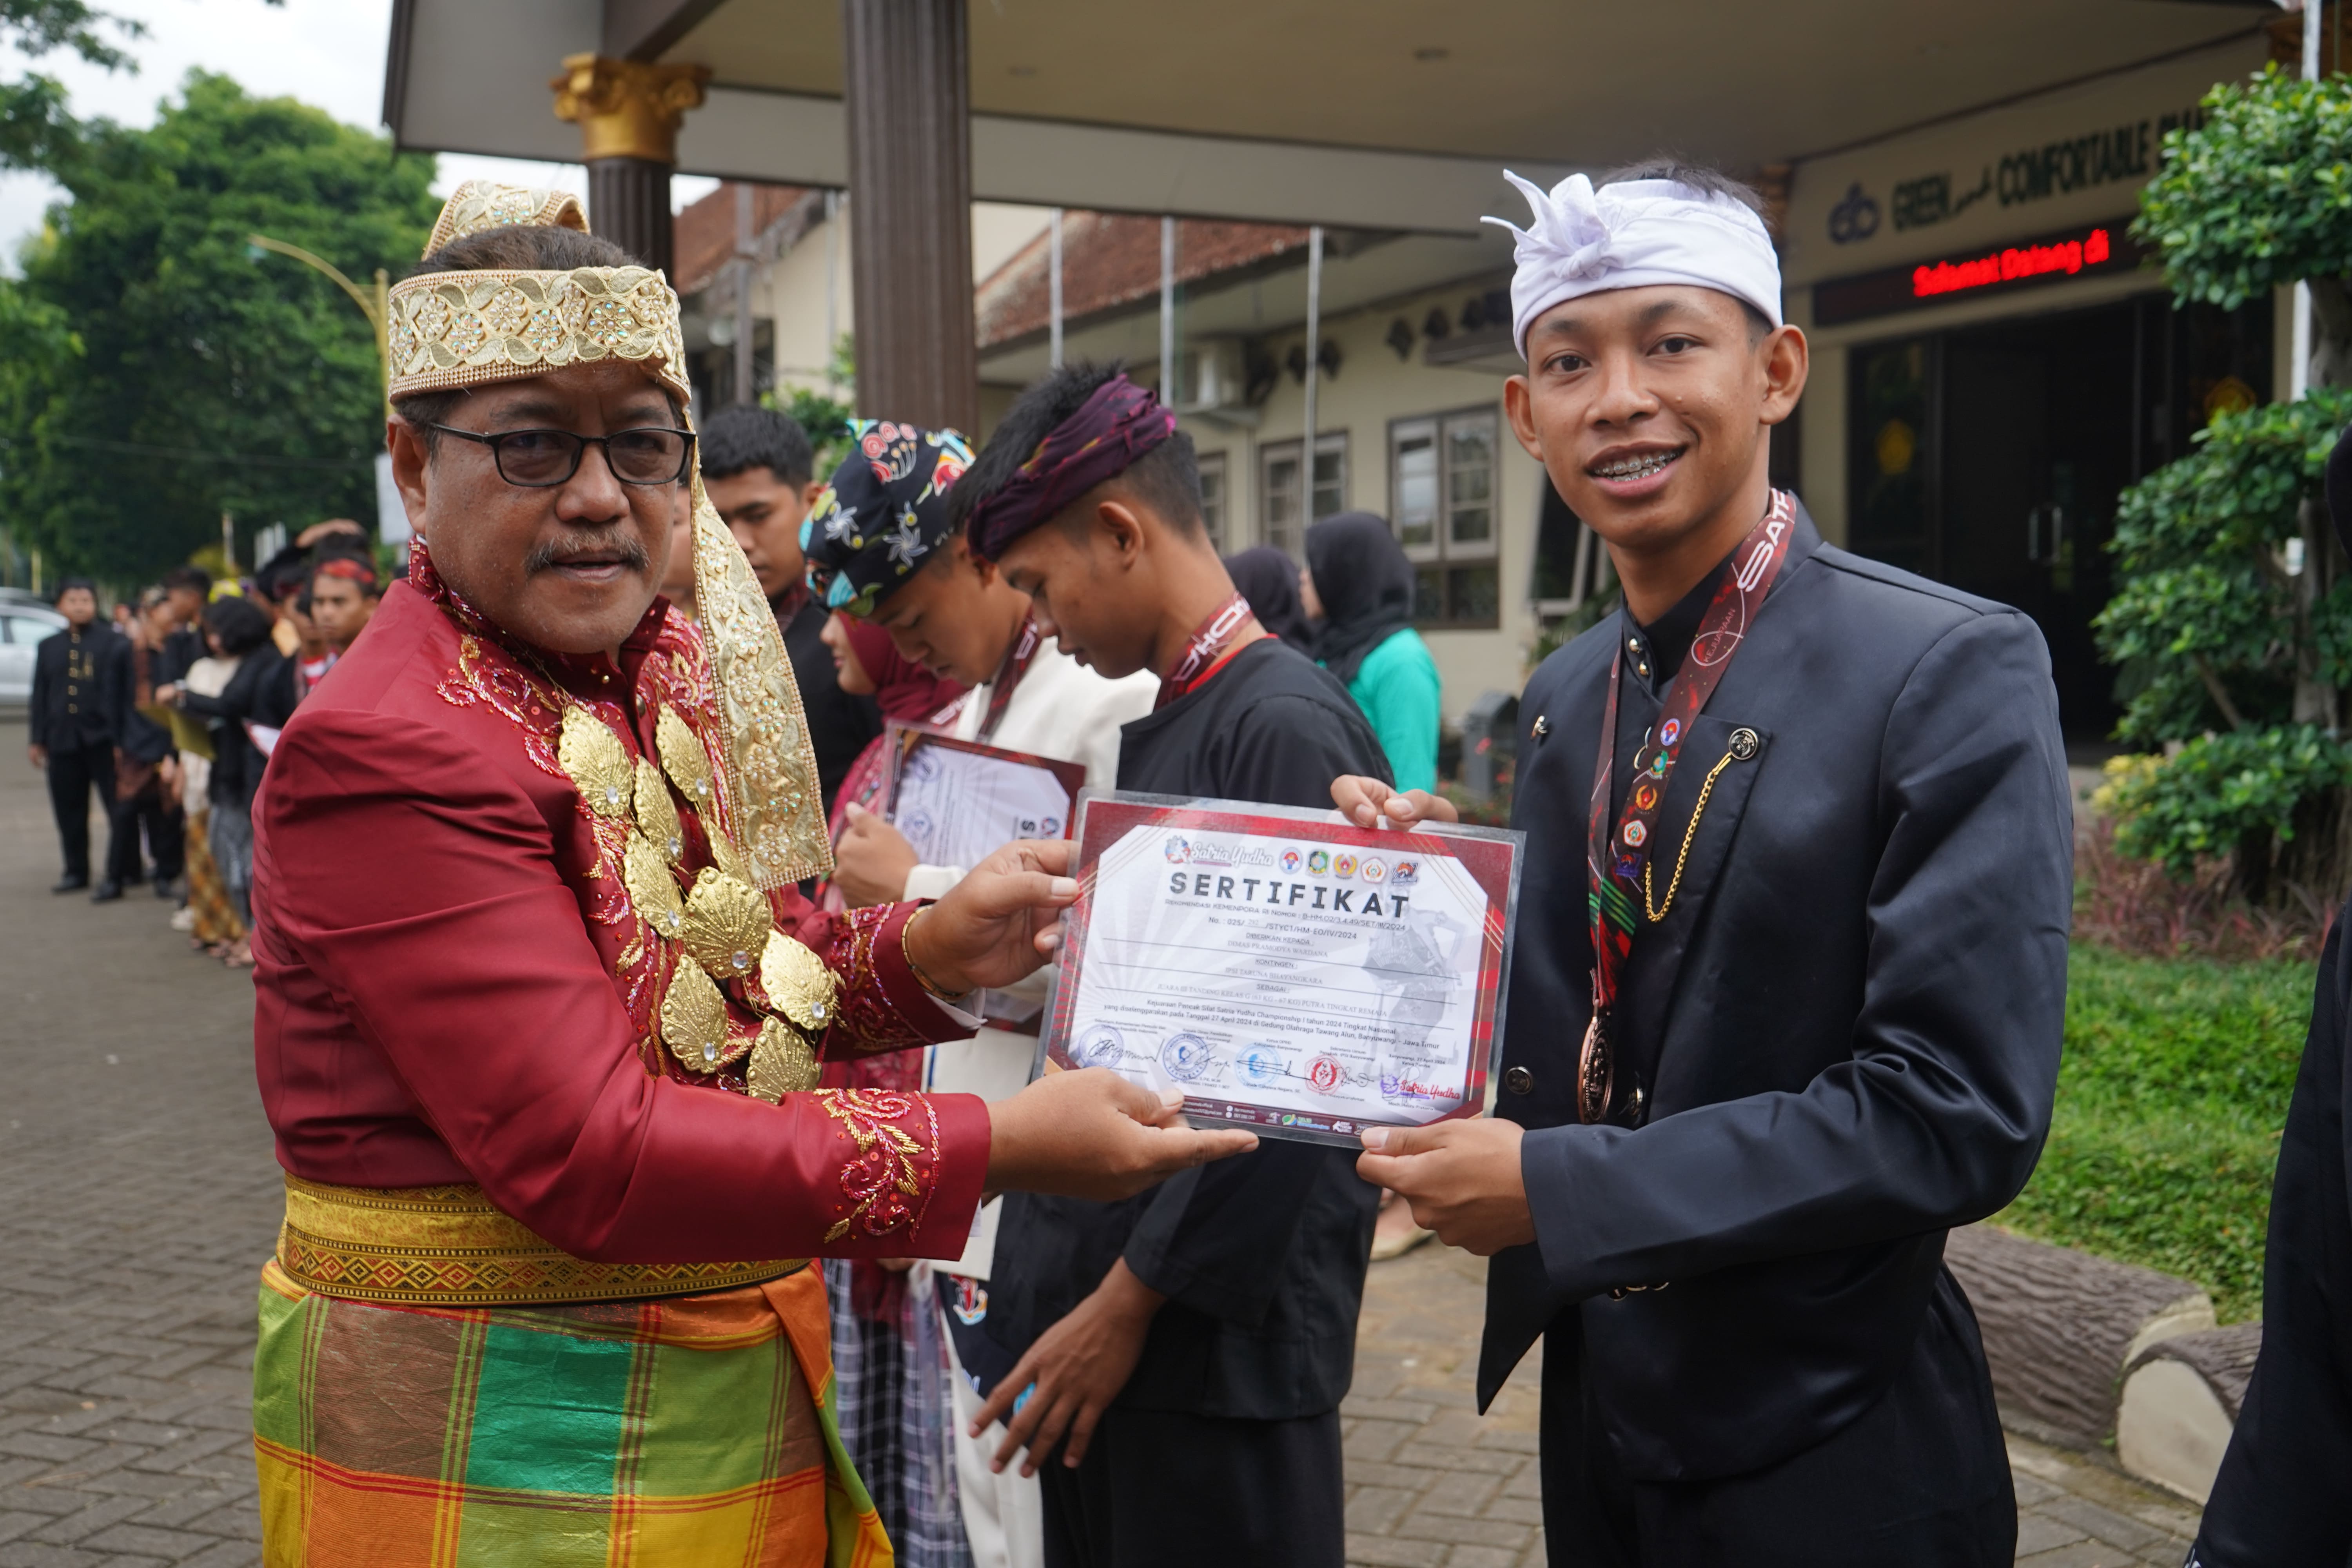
(1342, 864)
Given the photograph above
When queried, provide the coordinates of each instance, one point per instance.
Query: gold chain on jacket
(721, 923)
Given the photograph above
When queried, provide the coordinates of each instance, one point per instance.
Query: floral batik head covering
(884, 514)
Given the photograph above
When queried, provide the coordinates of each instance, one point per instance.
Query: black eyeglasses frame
(495, 441)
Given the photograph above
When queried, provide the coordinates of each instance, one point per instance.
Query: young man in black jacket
(1193, 1343)
(2280, 1496)
(1790, 969)
(80, 697)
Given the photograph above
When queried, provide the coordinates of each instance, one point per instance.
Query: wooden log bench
(2180, 1401)
(2062, 1327)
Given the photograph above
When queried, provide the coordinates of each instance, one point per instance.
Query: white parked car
(22, 628)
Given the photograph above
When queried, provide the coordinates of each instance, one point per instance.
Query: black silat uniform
(1234, 1404)
(81, 696)
(1845, 1037)
(2281, 1496)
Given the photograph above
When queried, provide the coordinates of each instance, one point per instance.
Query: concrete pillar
(908, 80)
(628, 113)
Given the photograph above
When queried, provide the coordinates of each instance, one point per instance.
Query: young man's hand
(1072, 1374)
(1092, 1134)
(1000, 923)
(871, 862)
(40, 756)
(1364, 801)
(1462, 1179)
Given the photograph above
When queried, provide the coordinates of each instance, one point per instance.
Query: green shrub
(2258, 195)
(2219, 791)
(2205, 609)
(2170, 1099)
(2232, 614)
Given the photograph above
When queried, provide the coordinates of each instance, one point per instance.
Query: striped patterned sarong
(693, 1430)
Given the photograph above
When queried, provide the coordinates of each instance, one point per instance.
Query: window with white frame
(1281, 524)
(1215, 499)
(1442, 469)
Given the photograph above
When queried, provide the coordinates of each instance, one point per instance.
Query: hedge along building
(1386, 123)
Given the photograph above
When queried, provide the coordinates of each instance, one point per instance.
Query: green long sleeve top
(1397, 689)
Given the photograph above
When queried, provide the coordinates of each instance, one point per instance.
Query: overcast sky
(325, 52)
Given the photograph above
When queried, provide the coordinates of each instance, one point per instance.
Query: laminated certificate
(959, 802)
(1282, 969)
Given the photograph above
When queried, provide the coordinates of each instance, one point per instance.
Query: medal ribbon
(1199, 661)
(1614, 861)
(1008, 676)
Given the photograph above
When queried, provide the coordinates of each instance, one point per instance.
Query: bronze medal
(1594, 1072)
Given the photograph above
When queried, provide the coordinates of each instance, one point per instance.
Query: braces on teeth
(1637, 468)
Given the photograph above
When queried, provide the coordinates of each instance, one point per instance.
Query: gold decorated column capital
(626, 108)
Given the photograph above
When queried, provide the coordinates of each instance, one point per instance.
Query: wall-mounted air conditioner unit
(1210, 383)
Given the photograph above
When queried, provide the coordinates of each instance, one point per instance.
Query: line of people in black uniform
(168, 720)
(88, 730)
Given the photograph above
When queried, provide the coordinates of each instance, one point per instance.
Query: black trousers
(1921, 1479)
(1163, 1489)
(167, 837)
(72, 775)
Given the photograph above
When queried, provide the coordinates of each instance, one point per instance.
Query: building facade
(1994, 360)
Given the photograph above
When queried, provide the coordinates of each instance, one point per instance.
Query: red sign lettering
(2068, 256)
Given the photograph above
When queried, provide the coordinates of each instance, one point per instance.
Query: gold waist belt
(449, 1247)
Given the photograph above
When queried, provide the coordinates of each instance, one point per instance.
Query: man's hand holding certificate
(1462, 1179)
(1285, 971)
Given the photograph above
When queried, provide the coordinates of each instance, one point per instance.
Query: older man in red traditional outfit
(539, 1005)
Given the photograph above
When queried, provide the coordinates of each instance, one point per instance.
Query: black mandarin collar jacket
(1845, 1032)
(67, 714)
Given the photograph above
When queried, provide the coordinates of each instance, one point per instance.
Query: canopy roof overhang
(1373, 114)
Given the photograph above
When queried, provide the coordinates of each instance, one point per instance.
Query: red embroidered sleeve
(889, 1170)
(882, 1006)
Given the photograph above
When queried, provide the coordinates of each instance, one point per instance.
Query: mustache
(615, 544)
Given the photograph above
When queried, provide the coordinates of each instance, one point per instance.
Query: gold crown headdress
(455, 329)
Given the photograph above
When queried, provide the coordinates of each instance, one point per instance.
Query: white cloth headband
(1632, 235)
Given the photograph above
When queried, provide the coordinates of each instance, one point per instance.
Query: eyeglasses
(538, 459)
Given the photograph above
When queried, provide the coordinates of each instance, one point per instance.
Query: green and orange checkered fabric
(692, 1430)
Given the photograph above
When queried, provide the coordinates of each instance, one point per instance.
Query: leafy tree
(173, 373)
(36, 130)
(2232, 615)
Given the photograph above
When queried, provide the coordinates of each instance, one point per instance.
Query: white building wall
(1372, 389)
(806, 292)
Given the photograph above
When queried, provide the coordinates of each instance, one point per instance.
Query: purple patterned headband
(1115, 428)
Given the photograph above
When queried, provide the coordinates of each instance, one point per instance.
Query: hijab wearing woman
(1359, 584)
(1365, 586)
(1268, 579)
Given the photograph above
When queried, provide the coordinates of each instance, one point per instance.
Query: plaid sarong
(692, 1429)
(896, 1413)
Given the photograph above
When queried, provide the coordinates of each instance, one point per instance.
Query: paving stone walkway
(1433, 1484)
(136, 1199)
(138, 1196)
